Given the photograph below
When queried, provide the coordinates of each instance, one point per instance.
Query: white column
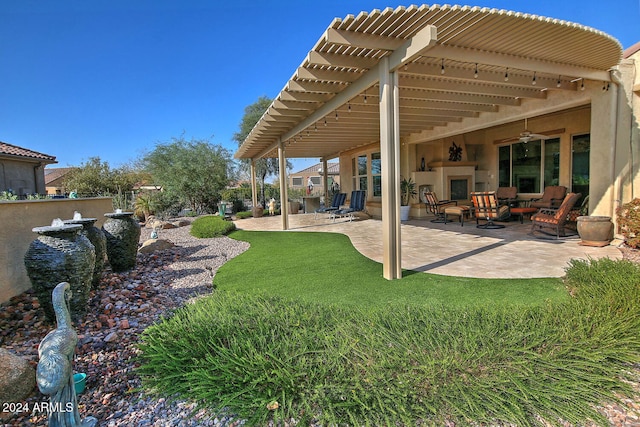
(603, 180)
(390, 157)
(254, 188)
(325, 181)
(284, 197)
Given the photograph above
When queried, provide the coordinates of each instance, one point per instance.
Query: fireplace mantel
(451, 164)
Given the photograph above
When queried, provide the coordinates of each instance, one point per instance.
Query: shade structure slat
(468, 38)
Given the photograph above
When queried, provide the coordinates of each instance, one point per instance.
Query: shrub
(211, 226)
(270, 358)
(244, 214)
(629, 222)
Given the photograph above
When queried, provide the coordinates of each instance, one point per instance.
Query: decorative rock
(153, 245)
(111, 337)
(17, 377)
(153, 222)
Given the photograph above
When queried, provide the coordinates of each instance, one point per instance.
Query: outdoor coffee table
(522, 212)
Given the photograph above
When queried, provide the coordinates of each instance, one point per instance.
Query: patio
(449, 249)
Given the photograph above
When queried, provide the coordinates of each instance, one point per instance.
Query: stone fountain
(123, 234)
(97, 239)
(61, 254)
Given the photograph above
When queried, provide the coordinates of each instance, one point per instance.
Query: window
(580, 148)
(359, 168)
(529, 166)
(315, 180)
(376, 174)
(296, 182)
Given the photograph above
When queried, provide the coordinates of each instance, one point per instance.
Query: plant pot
(79, 382)
(404, 213)
(595, 230)
(257, 212)
(294, 207)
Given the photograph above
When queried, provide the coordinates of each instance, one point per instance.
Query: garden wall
(17, 218)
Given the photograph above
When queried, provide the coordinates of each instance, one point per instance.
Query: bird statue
(54, 374)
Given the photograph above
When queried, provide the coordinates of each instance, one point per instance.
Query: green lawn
(301, 326)
(326, 268)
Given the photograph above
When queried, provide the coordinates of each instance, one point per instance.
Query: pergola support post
(254, 187)
(325, 181)
(390, 157)
(284, 197)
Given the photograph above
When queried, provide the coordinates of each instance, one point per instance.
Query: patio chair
(486, 207)
(436, 207)
(551, 198)
(356, 204)
(556, 219)
(577, 211)
(337, 201)
(507, 195)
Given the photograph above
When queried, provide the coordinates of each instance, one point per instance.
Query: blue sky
(112, 78)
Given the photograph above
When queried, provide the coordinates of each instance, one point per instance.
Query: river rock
(153, 245)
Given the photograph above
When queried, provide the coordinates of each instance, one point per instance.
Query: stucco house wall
(22, 170)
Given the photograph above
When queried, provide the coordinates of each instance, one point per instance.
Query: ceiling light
(582, 84)
(506, 75)
(559, 82)
(442, 67)
(533, 82)
(475, 74)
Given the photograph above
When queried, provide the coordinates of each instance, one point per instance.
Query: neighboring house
(22, 170)
(54, 180)
(461, 99)
(298, 180)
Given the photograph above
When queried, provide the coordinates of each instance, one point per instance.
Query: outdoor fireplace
(459, 187)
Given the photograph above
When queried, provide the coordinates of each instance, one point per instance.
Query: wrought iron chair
(551, 198)
(555, 219)
(507, 195)
(436, 207)
(486, 207)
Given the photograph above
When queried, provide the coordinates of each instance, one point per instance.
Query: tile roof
(334, 169)
(14, 150)
(51, 174)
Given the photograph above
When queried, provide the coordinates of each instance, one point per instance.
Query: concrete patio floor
(452, 250)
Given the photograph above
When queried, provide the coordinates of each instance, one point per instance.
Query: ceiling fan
(526, 135)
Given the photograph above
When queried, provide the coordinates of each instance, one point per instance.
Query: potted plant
(407, 192)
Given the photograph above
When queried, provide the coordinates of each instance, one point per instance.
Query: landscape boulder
(153, 245)
(17, 377)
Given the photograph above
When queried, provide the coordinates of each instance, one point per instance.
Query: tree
(96, 178)
(263, 167)
(195, 172)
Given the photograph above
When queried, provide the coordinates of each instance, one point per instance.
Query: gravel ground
(122, 306)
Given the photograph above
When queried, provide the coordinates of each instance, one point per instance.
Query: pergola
(423, 72)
